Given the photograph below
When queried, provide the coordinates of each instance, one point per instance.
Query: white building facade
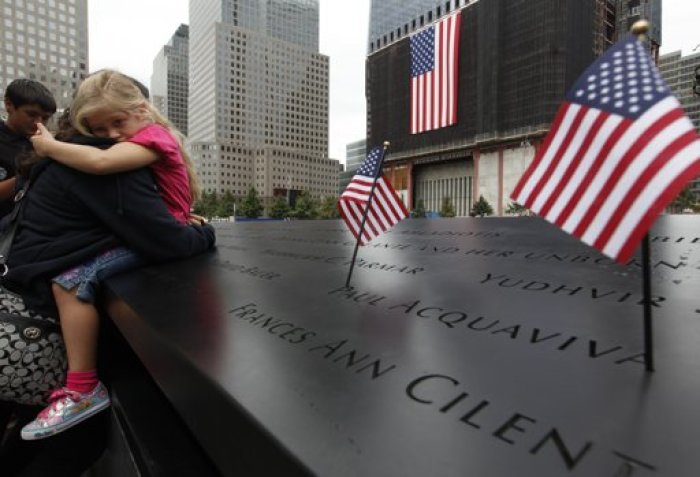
(258, 113)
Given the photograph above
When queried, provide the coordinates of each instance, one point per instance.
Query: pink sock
(82, 381)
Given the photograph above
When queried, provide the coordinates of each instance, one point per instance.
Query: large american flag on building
(386, 208)
(434, 61)
(619, 150)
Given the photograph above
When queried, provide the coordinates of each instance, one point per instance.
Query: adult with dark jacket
(69, 217)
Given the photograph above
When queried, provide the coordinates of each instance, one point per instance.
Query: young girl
(107, 104)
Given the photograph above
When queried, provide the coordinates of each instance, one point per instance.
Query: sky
(128, 34)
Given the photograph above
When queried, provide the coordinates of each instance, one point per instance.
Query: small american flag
(619, 150)
(385, 210)
(434, 61)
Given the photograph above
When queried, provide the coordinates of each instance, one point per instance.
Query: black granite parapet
(491, 347)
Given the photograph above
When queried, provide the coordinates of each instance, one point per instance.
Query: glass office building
(169, 81)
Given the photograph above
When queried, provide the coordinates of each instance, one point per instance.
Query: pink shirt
(170, 170)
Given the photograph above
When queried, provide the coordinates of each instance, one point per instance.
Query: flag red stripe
(636, 189)
(356, 212)
(384, 201)
(557, 157)
(540, 153)
(371, 227)
(382, 212)
(641, 142)
(441, 63)
(657, 207)
(390, 200)
(455, 73)
(381, 218)
(575, 161)
(347, 214)
(413, 106)
(426, 100)
(597, 163)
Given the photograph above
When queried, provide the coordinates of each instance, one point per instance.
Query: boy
(27, 103)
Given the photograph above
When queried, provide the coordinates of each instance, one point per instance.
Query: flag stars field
(629, 97)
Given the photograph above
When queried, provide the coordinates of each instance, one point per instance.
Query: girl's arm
(123, 156)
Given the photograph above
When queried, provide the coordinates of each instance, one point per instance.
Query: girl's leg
(79, 325)
(83, 394)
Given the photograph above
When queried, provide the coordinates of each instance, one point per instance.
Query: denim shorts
(87, 277)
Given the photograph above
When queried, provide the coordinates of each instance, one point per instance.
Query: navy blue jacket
(11, 146)
(70, 217)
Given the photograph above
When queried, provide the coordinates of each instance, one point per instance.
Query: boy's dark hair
(25, 91)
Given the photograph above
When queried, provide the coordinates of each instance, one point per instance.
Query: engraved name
(447, 395)
(461, 320)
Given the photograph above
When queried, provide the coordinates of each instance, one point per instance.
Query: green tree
(224, 206)
(206, 205)
(251, 206)
(481, 207)
(419, 211)
(684, 200)
(447, 209)
(515, 209)
(329, 208)
(279, 208)
(306, 207)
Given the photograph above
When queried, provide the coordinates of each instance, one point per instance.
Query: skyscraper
(511, 78)
(679, 73)
(45, 40)
(390, 20)
(627, 12)
(386, 16)
(355, 155)
(259, 98)
(169, 81)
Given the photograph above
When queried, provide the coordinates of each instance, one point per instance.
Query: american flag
(386, 208)
(434, 60)
(619, 150)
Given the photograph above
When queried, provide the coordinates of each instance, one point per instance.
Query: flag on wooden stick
(619, 150)
(369, 192)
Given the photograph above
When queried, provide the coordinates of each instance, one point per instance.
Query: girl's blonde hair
(109, 90)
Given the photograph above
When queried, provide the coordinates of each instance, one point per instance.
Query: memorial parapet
(479, 346)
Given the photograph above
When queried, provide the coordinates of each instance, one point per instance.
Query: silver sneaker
(66, 409)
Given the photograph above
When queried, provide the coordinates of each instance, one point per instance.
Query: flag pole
(364, 214)
(646, 284)
(640, 29)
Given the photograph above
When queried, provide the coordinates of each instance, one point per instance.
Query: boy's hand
(42, 140)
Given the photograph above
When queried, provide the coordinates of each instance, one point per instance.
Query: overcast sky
(128, 34)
